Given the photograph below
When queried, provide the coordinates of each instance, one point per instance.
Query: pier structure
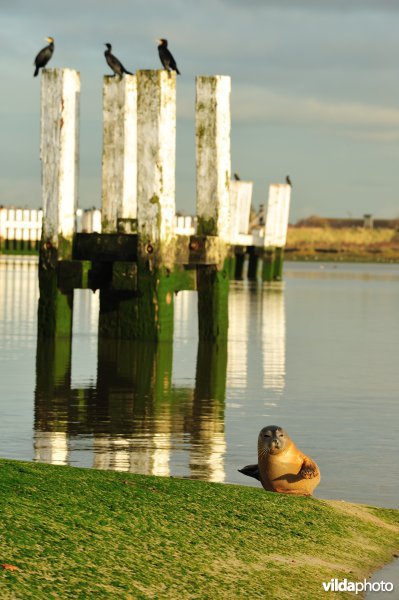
(141, 259)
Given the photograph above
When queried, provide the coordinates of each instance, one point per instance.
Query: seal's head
(272, 440)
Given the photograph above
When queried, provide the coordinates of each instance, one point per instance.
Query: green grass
(79, 533)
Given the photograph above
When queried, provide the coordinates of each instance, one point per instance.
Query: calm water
(317, 355)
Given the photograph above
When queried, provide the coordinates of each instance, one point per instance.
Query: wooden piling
(239, 264)
(276, 230)
(278, 265)
(146, 312)
(138, 261)
(156, 131)
(213, 155)
(252, 263)
(156, 154)
(119, 163)
(240, 208)
(268, 264)
(213, 200)
(60, 89)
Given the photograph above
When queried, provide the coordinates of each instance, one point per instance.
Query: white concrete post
(277, 215)
(240, 208)
(156, 156)
(60, 90)
(213, 154)
(119, 165)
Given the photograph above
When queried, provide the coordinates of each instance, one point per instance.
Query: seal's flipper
(309, 469)
(251, 471)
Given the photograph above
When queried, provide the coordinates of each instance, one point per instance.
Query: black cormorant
(44, 56)
(237, 177)
(288, 180)
(114, 63)
(166, 57)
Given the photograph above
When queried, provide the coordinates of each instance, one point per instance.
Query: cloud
(381, 136)
(317, 5)
(253, 103)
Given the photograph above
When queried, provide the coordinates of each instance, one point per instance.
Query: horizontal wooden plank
(105, 247)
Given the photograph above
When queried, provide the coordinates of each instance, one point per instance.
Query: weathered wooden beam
(277, 215)
(73, 274)
(276, 230)
(119, 162)
(239, 262)
(150, 315)
(268, 266)
(213, 204)
(213, 155)
(105, 247)
(60, 90)
(59, 154)
(278, 266)
(240, 208)
(156, 150)
(124, 276)
(252, 263)
(213, 292)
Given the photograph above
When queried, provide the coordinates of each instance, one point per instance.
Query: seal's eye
(267, 434)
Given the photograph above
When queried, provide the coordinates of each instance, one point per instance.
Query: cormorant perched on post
(237, 177)
(288, 180)
(166, 57)
(114, 63)
(44, 56)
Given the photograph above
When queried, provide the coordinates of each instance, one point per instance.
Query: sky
(315, 92)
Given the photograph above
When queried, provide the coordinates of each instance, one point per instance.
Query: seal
(282, 467)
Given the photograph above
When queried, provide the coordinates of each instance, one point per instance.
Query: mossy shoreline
(78, 533)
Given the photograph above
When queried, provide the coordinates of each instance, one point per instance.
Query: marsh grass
(346, 243)
(78, 533)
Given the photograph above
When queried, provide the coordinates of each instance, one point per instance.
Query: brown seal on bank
(281, 466)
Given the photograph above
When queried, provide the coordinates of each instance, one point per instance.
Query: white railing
(22, 227)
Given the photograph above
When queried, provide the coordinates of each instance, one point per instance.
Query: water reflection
(127, 414)
(239, 309)
(318, 356)
(273, 337)
(18, 298)
(260, 308)
(133, 414)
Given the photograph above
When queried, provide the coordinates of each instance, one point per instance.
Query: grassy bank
(77, 533)
(351, 244)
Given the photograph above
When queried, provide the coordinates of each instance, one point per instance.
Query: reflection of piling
(136, 418)
(273, 337)
(207, 428)
(52, 399)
